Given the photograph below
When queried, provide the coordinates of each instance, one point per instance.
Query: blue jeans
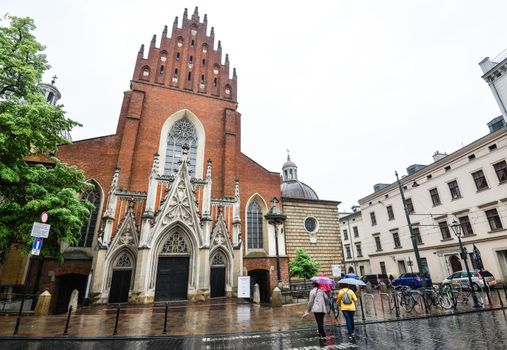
(349, 318)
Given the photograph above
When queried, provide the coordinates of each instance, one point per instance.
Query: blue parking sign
(37, 245)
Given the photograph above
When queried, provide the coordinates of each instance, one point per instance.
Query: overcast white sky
(355, 89)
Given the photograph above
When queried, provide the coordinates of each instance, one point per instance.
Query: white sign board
(243, 286)
(337, 271)
(40, 230)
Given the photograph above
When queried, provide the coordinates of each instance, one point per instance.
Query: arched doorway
(351, 269)
(66, 284)
(261, 277)
(455, 263)
(120, 281)
(173, 269)
(217, 276)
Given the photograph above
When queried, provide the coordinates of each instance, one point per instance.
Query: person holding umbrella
(317, 303)
(347, 301)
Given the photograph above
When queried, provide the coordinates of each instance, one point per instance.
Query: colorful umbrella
(323, 280)
(352, 281)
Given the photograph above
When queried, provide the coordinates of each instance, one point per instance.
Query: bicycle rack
(369, 295)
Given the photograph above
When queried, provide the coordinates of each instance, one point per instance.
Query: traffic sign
(44, 217)
(37, 245)
(40, 230)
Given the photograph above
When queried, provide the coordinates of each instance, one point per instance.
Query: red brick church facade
(181, 88)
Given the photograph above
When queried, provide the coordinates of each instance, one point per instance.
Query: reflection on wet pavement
(480, 330)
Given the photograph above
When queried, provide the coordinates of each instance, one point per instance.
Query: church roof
(297, 189)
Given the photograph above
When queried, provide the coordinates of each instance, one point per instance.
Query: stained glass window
(254, 226)
(182, 132)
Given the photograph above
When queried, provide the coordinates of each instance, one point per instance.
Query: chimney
(437, 156)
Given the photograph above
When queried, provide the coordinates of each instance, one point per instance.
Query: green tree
(302, 265)
(30, 129)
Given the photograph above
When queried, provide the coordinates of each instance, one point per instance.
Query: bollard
(18, 319)
(362, 309)
(117, 318)
(396, 306)
(66, 330)
(499, 297)
(164, 331)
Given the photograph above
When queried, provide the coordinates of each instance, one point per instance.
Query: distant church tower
(53, 95)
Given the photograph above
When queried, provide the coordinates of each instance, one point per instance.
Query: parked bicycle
(463, 294)
(435, 296)
(403, 296)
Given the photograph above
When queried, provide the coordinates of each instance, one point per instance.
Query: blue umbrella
(352, 281)
(352, 275)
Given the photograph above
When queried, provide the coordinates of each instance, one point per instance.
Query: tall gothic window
(88, 228)
(182, 132)
(254, 222)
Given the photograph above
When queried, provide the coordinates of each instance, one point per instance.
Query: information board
(337, 271)
(243, 286)
(40, 230)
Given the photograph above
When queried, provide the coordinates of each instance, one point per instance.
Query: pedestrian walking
(318, 304)
(347, 302)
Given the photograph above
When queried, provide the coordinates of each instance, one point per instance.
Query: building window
(361, 270)
(202, 78)
(254, 226)
(492, 147)
(501, 170)
(417, 235)
(345, 235)
(409, 205)
(373, 218)
(383, 268)
(88, 228)
(189, 76)
(454, 188)
(311, 224)
(494, 220)
(377, 243)
(435, 198)
(182, 132)
(161, 70)
(347, 252)
(444, 229)
(215, 82)
(177, 56)
(447, 168)
(471, 157)
(359, 250)
(466, 226)
(480, 180)
(390, 213)
(396, 239)
(356, 232)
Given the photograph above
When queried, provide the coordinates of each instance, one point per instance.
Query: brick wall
(327, 250)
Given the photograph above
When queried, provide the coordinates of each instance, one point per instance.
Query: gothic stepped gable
(187, 60)
(180, 205)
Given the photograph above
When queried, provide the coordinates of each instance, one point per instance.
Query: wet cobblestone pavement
(479, 330)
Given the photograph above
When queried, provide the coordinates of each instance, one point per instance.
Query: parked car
(375, 279)
(413, 279)
(460, 278)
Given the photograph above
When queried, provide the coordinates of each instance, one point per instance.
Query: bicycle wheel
(445, 302)
(407, 302)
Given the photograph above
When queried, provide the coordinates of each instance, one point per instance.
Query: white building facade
(469, 185)
(354, 243)
(495, 74)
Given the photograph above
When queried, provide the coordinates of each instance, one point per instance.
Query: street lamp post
(413, 238)
(456, 228)
(276, 217)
